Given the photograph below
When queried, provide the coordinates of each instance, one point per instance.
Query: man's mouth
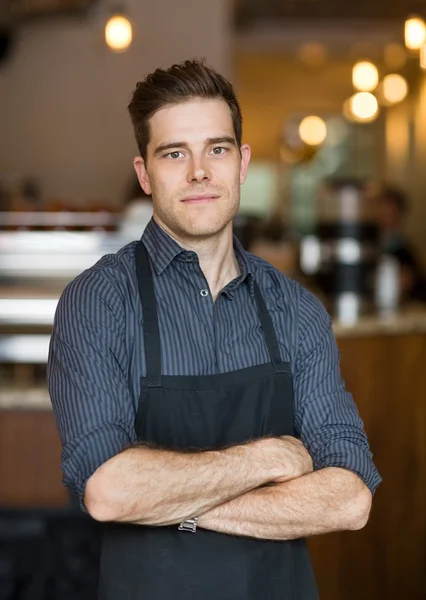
(200, 198)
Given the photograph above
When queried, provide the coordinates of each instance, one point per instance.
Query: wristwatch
(189, 525)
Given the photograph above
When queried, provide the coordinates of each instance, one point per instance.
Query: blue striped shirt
(97, 357)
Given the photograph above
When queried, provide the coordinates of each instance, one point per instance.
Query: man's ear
(141, 172)
(245, 159)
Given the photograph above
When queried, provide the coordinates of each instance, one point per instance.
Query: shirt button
(204, 293)
(189, 258)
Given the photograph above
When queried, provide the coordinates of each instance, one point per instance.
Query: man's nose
(198, 170)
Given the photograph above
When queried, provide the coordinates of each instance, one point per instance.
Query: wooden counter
(387, 560)
(29, 460)
(384, 365)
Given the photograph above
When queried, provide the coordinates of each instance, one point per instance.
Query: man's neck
(216, 256)
(219, 265)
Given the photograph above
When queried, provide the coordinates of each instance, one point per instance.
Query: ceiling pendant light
(313, 130)
(394, 88)
(362, 108)
(365, 76)
(118, 33)
(415, 32)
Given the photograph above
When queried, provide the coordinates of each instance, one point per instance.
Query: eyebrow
(225, 139)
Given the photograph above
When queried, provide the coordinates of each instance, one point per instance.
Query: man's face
(194, 168)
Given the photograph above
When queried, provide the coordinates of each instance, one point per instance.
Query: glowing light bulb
(312, 130)
(415, 33)
(365, 76)
(363, 107)
(394, 89)
(118, 33)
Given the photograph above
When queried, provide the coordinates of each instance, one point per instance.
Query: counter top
(25, 399)
(410, 320)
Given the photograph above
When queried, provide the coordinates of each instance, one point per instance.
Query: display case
(39, 254)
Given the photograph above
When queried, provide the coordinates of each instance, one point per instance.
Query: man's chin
(207, 228)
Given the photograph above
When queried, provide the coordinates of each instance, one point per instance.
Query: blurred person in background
(392, 211)
(196, 388)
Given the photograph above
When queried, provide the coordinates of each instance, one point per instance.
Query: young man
(196, 388)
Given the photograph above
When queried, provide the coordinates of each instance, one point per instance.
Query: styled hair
(179, 83)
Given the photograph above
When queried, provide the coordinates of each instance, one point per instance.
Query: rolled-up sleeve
(87, 378)
(325, 413)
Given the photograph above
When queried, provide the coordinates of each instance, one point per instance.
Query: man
(197, 389)
(392, 209)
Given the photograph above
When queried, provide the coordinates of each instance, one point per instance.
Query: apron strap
(269, 332)
(151, 331)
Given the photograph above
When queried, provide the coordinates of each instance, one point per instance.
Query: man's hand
(288, 457)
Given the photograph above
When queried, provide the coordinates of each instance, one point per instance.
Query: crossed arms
(265, 489)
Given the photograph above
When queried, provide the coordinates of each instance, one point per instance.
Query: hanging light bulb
(312, 130)
(362, 107)
(415, 33)
(118, 33)
(423, 57)
(394, 88)
(365, 76)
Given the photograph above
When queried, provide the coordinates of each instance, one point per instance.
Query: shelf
(53, 254)
(24, 349)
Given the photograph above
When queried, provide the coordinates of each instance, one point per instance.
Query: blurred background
(333, 97)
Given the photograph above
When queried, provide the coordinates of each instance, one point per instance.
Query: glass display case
(39, 254)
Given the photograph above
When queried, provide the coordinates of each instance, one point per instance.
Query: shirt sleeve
(87, 379)
(325, 413)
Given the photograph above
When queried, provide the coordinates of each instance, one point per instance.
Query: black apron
(205, 412)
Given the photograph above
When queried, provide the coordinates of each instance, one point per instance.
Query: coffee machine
(341, 254)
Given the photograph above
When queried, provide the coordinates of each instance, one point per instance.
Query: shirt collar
(163, 249)
(243, 262)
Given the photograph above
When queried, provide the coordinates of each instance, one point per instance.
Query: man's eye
(218, 150)
(176, 154)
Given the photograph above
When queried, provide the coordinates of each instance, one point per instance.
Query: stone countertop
(411, 320)
(25, 399)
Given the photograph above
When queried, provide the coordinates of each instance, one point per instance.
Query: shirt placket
(203, 301)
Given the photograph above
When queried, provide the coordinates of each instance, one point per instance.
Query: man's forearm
(161, 487)
(327, 500)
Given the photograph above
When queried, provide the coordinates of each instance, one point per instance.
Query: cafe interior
(333, 97)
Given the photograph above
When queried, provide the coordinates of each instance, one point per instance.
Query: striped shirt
(97, 356)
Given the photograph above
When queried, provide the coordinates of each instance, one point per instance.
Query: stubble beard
(197, 228)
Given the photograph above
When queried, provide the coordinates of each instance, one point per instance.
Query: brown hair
(179, 83)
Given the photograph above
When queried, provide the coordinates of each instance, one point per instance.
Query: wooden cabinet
(387, 560)
(29, 460)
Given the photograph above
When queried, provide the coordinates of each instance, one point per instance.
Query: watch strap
(189, 525)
